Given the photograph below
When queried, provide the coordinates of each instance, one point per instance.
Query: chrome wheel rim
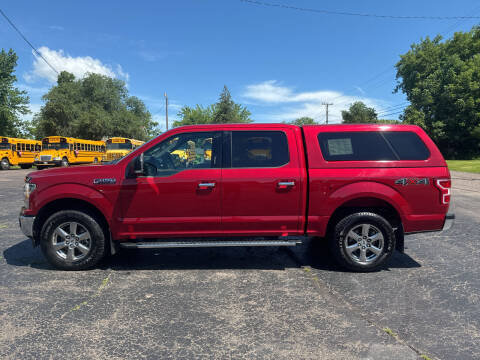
(71, 241)
(364, 243)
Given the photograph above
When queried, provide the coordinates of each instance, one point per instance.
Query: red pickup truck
(362, 187)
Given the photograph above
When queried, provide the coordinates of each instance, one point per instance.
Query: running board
(220, 243)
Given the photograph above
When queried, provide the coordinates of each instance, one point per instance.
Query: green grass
(472, 166)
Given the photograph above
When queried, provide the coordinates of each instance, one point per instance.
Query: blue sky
(280, 63)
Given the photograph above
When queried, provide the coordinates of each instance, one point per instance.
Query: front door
(179, 194)
(262, 184)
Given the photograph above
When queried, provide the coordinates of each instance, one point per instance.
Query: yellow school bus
(63, 151)
(118, 147)
(19, 152)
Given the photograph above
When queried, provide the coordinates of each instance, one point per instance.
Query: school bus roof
(70, 140)
(117, 139)
(18, 140)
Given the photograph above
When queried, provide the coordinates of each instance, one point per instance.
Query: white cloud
(286, 104)
(78, 66)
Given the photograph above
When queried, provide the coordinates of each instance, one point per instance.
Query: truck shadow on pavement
(314, 254)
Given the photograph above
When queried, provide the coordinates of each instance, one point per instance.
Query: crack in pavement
(102, 286)
(318, 284)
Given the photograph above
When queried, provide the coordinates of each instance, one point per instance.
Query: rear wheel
(72, 240)
(363, 241)
(4, 164)
(64, 162)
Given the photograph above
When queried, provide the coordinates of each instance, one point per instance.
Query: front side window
(196, 150)
(259, 149)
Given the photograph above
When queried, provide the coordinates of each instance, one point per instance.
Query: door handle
(208, 185)
(285, 184)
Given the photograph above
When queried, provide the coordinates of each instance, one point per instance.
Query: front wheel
(64, 162)
(4, 164)
(72, 240)
(362, 241)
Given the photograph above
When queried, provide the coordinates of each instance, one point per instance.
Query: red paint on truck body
(252, 201)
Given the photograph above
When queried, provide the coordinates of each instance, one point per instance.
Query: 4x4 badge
(412, 181)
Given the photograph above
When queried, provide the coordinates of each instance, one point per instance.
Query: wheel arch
(371, 204)
(69, 204)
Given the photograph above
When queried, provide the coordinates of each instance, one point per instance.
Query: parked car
(359, 187)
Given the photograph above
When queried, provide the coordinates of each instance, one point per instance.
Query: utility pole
(166, 109)
(326, 108)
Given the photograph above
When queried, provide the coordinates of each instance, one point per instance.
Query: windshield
(119, 146)
(55, 146)
(4, 146)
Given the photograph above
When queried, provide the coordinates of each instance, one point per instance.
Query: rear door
(262, 182)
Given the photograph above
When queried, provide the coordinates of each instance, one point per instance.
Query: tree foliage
(359, 113)
(13, 102)
(91, 108)
(225, 111)
(442, 83)
(305, 120)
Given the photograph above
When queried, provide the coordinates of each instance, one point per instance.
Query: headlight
(37, 158)
(27, 191)
(57, 158)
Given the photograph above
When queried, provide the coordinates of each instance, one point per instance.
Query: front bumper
(48, 163)
(449, 220)
(26, 224)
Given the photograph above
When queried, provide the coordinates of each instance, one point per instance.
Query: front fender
(73, 191)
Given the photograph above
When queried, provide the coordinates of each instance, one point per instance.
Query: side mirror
(138, 165)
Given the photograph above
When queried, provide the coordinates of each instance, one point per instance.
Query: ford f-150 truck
(359, 187)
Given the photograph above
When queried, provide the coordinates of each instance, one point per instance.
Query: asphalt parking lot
(252, 303)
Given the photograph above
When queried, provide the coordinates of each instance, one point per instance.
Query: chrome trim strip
(190, 244)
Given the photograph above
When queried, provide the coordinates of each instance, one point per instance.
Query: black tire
(374, 257)
(64, 162)
(87, 260)
(26, 166)
(40, 167)
(4, 164)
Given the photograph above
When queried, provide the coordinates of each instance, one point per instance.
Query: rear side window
(255, 149)
(407, 145)
(372, 146)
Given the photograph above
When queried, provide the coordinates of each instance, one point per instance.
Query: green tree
(13, 102)
(305, 120)
(442, 82)
(91, 108)
(225, 111)
(195, 116)
(359, 113)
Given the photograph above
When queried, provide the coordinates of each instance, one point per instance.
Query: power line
(28, 42)
(346, 13)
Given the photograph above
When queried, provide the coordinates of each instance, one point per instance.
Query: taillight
(444, 185)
